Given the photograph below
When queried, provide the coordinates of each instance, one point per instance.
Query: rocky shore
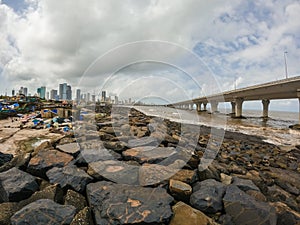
(129, 168)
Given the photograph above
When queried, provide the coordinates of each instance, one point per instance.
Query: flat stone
(44, 211)
(150, 174)
(16, 185)
(207, 196)
(75, 199)
(83, 217)
(185, 214)
(93, 155)
(47, 159)
(179, 189)
(128, 204)
(144, 141)
(69, 176)
(71, 148)
(115, 171)
(244, 209)
(244, 184)
(149, 154)
(4, 158)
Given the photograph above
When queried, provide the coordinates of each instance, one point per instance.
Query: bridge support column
(191, 106)
(214, 106)
(198, 106)
(238, 107)
(265, 103)
(204, 106)
(233, 108)
(298, 95)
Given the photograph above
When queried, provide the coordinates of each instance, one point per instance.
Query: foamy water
(273, 130)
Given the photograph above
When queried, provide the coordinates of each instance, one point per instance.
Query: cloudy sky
(170, 50)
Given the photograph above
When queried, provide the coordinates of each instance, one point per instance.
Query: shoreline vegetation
(130, 168)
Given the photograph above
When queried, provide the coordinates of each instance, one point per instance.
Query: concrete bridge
(281, 89)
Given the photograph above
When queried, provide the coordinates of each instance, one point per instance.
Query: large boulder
(83, 217)
(44, 211)
(285, 215)
(93, 155)
(116, 171)
(185, 214)
(244, 209)
(180, 190)
(69, 176)
(207, 196)
(128, 204)
(149, 154)
(47, 159)
(75, 199)
(16, 185)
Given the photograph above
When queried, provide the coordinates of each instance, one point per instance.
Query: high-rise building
(13, 92)
(48, 95)
(53, 94)
(42, 92)
(116, 100)
(64, 93)
(93, 98)
(69, 92)
(103, 99)
(25, 91)
(78, 95)
(88, 97)
(61, 87)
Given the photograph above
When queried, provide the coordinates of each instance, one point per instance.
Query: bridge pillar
(233, 108)
(198, 106)
(191, 106)
(214, 106)
(265, 103)
(204, 106)
(238, 107)
(298, 95)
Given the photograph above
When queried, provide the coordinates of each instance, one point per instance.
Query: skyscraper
(61, 86)
(25, 91)
(42, 92)
(53, 94)
(64, 91)
(13, 92)
(69, 92)
(78, 95)
(103, 99)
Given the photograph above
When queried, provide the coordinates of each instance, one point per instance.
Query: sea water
(274, 130)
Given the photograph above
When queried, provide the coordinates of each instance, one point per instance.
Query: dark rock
(71, 148)
(16, 185)
(244, 184)
(52, 192)
(149, 154)
(44, 211)
(84, 217)
(144, 141)
(19, 161)
(126, 204)
(47, 159)
(4, 158)
(286, 215)
(115, 171)
(185, 214)
(225, 219)
(75, 199)
(244, 209)
(180, 190)
(207, 196)
(69, 176)
(257, 195)
(211, 172)
(116, 146)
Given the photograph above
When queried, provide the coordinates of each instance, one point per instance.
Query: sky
(163, 49)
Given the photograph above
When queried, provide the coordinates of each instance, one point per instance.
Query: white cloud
(54, 41)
